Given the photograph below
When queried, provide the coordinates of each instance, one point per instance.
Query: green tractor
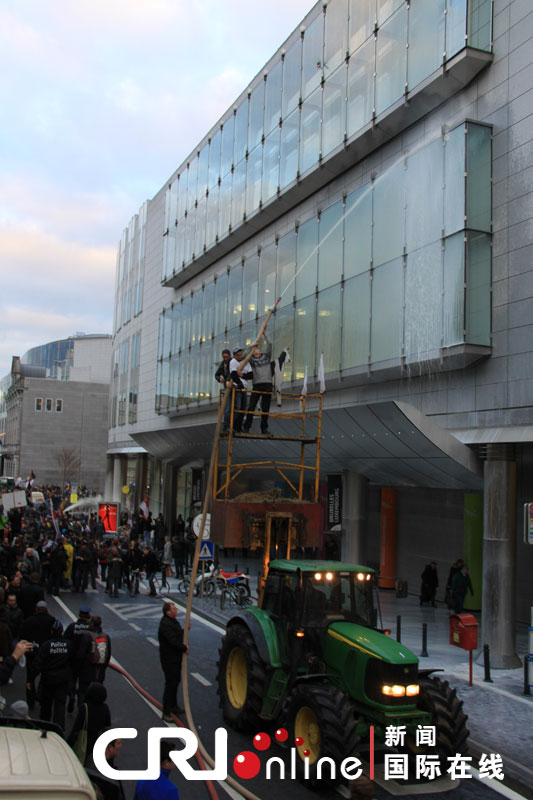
(312, 658)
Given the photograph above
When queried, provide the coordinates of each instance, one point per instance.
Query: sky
(100, 101)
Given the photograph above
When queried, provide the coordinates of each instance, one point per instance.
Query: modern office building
(376, 177)
(55, 412)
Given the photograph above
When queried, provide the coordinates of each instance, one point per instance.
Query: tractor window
(279, 599)
(343, 598)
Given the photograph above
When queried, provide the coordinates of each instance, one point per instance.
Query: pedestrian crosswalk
(134, 611)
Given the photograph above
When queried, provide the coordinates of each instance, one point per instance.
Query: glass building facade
(340, 75)
(397, 270)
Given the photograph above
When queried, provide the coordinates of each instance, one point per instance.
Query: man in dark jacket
(57, 566)
(79, 634)
(151, 565)
(36, 629)
(30, 594)
(8, 664)
(222, 376)
(54, 663)
(14, 616)
(171, 649)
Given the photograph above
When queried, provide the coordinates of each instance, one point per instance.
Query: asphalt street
(132, 624)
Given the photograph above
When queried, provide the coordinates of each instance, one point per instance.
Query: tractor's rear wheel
(242, 679)
(449, 719)
(324, 717)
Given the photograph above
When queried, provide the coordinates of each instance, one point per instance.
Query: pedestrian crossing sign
(207, 551)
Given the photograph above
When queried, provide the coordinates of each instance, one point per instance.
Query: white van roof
(32, 766)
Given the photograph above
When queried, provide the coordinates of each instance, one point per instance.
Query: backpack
(99, 648)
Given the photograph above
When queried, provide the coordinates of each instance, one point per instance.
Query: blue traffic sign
(207, 551)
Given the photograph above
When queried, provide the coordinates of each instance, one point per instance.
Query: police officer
(54, 663)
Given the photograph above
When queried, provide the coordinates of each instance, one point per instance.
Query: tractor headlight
(329, 576)
(360, 576)
(368, 576)
(318, 576)
(393, 691)
(412, 690)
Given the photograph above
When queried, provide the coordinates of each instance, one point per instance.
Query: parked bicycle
(234, 594)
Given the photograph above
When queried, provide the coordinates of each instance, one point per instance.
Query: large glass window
(224, 204)
(241, 132)
(356, 321)
(312, 56)
(208, 311)
(192, 181)
(196, 317)
(253, 179)
(289, 148)
(477, 288)
(454, 180)
(358, 231)
(271, 165)
(334, 111)
(214, 159)
(273, 97)
(478, 170)
(426, 40)
(199, 232)
(235, 296)
(203, 171)
(226, 148)
(361, 24)
(286, 268)
(221, 303)
(391, 57)
(424, 195)
(455, 26)
(480, 24)
(360, 92)
(328, 331)
(267, 278)
(307, 258)
(389, 214)
(310, 131)
(173, 314)
(257, 113)
(211, 228)
(304, 336)
(387, 311)
(453, 297)
(238, 193)
(186, 322)
(330, 237)
(336, 35)
(423, 301)
(250, 283)
(385, 8)
(283, 337)
(292, 78)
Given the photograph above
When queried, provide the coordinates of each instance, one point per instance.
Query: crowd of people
(65, 669)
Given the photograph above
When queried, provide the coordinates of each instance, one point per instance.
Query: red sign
(108, 515)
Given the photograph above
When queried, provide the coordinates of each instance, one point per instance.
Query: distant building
(54, 412)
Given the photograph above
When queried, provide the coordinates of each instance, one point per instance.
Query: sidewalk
(500, 716)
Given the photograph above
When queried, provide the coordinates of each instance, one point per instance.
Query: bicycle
(208, 582)
(235, 594)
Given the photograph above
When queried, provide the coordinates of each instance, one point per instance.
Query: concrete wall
(92, 360)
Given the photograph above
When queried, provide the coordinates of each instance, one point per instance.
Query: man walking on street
(171, 649)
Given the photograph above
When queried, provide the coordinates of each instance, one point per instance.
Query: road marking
(218, 628)
(201, 679)
(115, 610)
(153, 641)
(135, 627)
(143, 611)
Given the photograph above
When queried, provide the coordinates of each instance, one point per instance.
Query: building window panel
(174, 317)
(389, 214)
(192, 182)
(235, 296)
(385, 8)
(196, 317)
(221, 303)
(203, 171)
(226, 148)
(391, 60)
(206, 371)
(292, 78)
(186, 323)
(270, 182)
(334, 111)
(224, 205)
(214, 159)
(313, 56)
(478, 297)
(211, 228)
(356, 321)
(424, 196)
(273, 98)
(328, 330)
(289, 148)
(387, 311)
(132, 406)
(361, 23)
(453, 298)
(286, 268)
(336, 35)
(310, 131)
(426, 40)
(238, 194)
(423, 302)
(253, 179)
(304, 336)
(454, 180)
(455, 26)
(358, 232)
(330, 236)
(241, 132)
(199, 235)
(257, 113)
(478, 171)
(267, 278)
(307, 258)
(284, 337)
(250, 284)
(208, 311)
(480, 24)
(38, 403)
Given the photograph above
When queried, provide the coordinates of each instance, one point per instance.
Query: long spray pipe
(207, 497)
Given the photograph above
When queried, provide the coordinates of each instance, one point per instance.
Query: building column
(117, 479)
(108, 490)
(499, 557)
(387, 543)
(354, 518)
(169, 496)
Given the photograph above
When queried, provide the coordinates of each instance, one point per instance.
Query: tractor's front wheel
(323, 717)
(242, 679)
(449, 719)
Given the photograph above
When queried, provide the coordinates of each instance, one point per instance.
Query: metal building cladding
(374, 175)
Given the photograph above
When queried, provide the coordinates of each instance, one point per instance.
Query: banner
(196, 488)
(334, 507)
(108, 515)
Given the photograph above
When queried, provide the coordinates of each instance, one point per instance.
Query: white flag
(321, 374)
(304, 387)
